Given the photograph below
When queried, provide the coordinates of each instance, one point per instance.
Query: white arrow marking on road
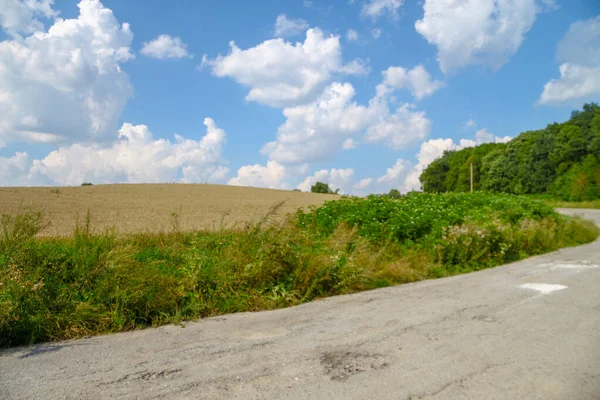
(543, 288)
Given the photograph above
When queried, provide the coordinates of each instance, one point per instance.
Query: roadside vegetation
(54, 288)
(561, 161)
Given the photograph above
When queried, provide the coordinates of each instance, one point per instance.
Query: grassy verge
(61, 288)
(595, 204)
(558, 203)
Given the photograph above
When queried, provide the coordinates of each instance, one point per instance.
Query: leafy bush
(87, 184)
(321, 187)
(418, 215)
(394, 194)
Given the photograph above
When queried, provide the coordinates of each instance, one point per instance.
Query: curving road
(528, 330)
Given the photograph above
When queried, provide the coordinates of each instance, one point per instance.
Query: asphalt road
(528, 330)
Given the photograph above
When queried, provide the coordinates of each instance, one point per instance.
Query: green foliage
(394, 194)
(61, 288)
(419, 216)
(87, 184)
(321, 187)
(562, 160)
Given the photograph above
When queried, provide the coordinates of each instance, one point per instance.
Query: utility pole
(471, 177)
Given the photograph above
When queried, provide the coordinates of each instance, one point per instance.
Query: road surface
(528, 330)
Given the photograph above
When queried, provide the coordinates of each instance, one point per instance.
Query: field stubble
(153, 208)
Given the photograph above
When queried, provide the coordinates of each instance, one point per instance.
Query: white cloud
(417, 80)
(136, 156)
(471, 124)
(307, 3)
(282, 74)
(164, 47)
(484, 136)
(336, 178)
(285, 26)
(18, 16)
(66, 84)
(376, 8)
(363, 184)
(270, 176)
(352, 35)
(399, 129)
(376, 33)
(394, 176)
(356, 67)
(579, 53)
(476, 31)
(13, 170)
(319, 130)
(349, 144)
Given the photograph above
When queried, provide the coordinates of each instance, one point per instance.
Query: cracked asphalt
(493, 334)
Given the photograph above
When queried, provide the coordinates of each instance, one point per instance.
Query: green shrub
(321, 187)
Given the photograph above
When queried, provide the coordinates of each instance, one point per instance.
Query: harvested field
(153, 207)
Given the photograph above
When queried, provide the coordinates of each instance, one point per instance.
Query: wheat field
(135, 208)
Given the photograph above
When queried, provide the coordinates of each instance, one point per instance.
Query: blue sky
(361, 94)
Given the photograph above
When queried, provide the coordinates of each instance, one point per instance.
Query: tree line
(562, 160)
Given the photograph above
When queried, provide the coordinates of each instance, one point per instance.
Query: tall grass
(61, 288)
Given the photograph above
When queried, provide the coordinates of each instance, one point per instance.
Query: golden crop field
(152, 207)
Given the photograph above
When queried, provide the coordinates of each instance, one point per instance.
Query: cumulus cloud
(579, 54)
(285, 26)
(164, 47)
(484, 136)
(14, 170)
(471, 124)
(282, 74)
(477, 31)
(417, 80)
(394, 176)
(18, 16)
(336, 178)
(398, 129)
(136, 156)
(363, 184)
(66, 84)
(376, 8)
(317, 131)
(271, 176)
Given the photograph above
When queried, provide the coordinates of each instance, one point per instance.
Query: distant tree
(394, 194)
(296, 190)
(87, 184)
(321, 187)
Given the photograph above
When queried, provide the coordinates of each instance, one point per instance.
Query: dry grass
(153, 207)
